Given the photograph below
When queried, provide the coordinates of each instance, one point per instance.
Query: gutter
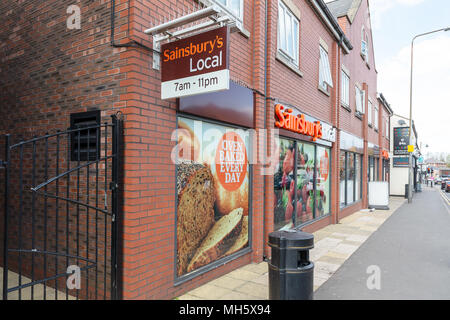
(327, 17)
(386, 104)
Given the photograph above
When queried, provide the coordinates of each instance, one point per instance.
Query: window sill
(370, 125)
(358, 115)
(288, 64)
(346, 107)
(244, 32)
(323, 91)
(376, 130)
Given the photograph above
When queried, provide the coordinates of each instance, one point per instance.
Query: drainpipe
(265, 125)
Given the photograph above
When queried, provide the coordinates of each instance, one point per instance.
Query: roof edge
(323, 11)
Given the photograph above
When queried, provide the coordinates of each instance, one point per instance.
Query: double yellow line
(444, 196)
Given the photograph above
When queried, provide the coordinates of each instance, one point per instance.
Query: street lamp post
(410, 182)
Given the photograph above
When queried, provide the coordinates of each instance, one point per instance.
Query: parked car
(443, 183)
(447, 185)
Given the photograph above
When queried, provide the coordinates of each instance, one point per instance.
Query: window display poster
(305, 183)
(212, 193)
(323, 181)
(284, 186)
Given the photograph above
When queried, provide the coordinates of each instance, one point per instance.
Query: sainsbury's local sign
(194, 65)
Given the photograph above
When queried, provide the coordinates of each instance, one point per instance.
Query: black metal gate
(61, 214)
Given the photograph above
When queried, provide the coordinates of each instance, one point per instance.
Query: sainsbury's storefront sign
(292, 120)
(195, 65)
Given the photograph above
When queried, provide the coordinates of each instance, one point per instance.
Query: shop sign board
(351, 143)
(195, 65)
(401, 140)
(400, 162)
(291, 119)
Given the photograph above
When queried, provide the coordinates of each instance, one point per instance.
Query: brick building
(302, 57)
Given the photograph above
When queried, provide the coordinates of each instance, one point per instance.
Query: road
(408, 257)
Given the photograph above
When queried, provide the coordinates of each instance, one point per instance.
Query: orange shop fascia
(296, 123)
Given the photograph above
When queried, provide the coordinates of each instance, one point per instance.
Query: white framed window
(364, 45)
(359, 97)
(375, 121)
(369, 111)
(288, 33)
(325, 79)
(236, 7)
(345, 88)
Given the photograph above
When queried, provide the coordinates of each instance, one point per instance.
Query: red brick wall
(149, 194)
(359, 72)
(47, 72)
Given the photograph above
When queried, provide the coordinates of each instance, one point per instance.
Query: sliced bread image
(195, 211)
(219, 239)
(242, 240)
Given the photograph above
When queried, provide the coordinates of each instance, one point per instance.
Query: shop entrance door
(59, 214)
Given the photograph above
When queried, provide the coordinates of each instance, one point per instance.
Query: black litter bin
(291, 274)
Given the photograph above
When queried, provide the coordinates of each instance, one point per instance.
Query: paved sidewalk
(407, 258)
(333, 245)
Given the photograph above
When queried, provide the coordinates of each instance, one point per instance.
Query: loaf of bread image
(195, 213)
(228, 200)
(188, 143)
(219, 239)
(242, 240)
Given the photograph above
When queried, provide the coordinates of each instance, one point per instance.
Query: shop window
(301, 184)
(325, 80)
(371, 168)
(350, 181)
(345, 89)
(85, 144)
(288, 34)
(358, 181)
(342, 187)
(350, 178)
(212, 200)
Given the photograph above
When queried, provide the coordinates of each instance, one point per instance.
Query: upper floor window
(325, 79)
(375, 121)
(359, 97)
(288, 34)
(364, 45)
(345, 89)
(234, 6)
(369, 112)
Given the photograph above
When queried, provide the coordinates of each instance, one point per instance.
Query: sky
(394, 24)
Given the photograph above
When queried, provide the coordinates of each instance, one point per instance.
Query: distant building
(400, 155)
